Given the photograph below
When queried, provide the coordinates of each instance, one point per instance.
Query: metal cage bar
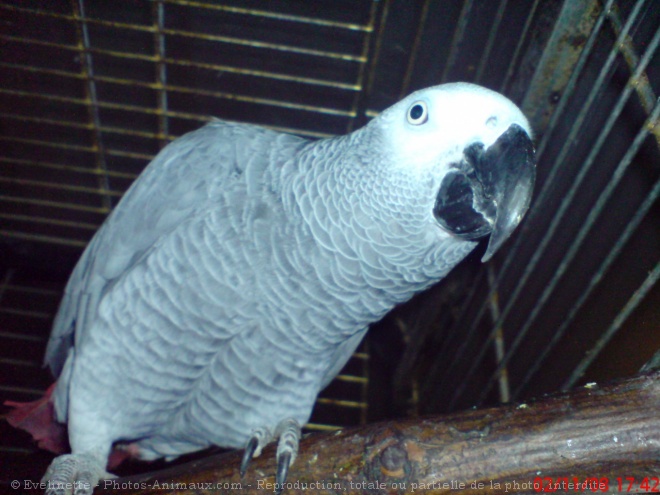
(158, 13)
(459, 32)
(630, 306)
(492, 37)
(87, 74)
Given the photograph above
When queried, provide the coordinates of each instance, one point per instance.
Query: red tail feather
(38, 419)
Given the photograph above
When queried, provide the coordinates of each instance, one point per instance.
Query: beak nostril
(491, 122)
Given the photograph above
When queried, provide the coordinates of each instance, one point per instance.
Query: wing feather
(181, 180)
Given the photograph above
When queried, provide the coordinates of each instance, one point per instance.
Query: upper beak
(489, 191)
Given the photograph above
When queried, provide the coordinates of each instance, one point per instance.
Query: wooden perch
(605, 436)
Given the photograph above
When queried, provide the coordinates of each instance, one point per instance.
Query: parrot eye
(418, 113)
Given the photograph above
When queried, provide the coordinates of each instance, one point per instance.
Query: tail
(38, 419)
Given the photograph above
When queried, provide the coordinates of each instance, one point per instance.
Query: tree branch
(600, 434)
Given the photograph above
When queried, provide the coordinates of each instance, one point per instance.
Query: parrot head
(476, 147)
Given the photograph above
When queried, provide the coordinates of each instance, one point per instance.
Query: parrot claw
(283, 463)
(250, 448)
(288, 431)
(287, 449)
(75, 474)
(259, 439)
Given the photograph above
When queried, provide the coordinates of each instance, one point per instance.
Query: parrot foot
(259, 439)
(287, 449)
(74, 474)
(288, 431)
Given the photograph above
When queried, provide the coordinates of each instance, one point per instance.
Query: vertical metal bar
(513, 64)
(618, 246)
(498, 342)
(87, 70)
(158, 12)
(435, 370)
(572, 83)
(9, 274)
(364, 393)
(570, 141)
(495, 26)
(459, 32)
(421, 23)
(620, 319)
(377, 46)
(361, 95)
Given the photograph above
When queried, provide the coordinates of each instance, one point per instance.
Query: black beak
(489, 191)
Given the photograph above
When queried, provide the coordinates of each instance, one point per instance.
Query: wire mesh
(78, 94)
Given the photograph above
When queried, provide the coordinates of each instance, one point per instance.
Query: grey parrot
(241, 270)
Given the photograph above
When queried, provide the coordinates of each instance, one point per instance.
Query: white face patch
(430, 128)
